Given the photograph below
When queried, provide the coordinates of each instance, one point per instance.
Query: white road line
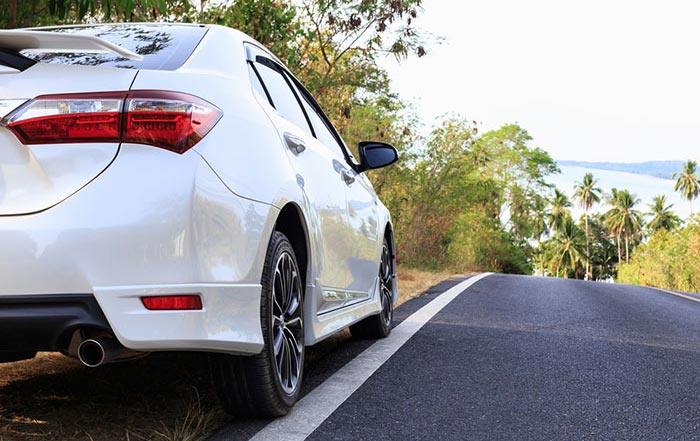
(319, 404)
(677, 294)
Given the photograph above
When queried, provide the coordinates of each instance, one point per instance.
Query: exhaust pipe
(97, 351)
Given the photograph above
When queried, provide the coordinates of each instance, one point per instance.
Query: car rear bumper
(46, 323)
(153, 223)
(229, 320)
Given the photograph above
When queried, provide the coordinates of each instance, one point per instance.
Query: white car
(174, 188)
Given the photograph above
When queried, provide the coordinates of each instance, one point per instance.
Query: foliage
(587, 195)
(564, 253)
(520, 169)
(670, 259)
(662, 217)
(688, 183)
(559, 210)
(466, 201)
(26, 13)
(602, 255)
(273, 23)
(623, 219)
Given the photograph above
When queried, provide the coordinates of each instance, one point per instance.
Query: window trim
(256, 54)
(319, 111)
(251, 65)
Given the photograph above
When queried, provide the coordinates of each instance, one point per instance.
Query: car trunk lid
(36, 177)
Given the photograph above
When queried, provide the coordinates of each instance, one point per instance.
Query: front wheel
(379, 326)
(268, 384)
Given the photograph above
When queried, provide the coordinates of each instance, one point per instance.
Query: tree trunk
(619, 249)
(627, 248)
(13, 14)
(588, 249)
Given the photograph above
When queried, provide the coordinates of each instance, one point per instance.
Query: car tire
(379, 325)
(268, 384)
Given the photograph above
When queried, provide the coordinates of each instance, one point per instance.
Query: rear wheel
(379, 326)
(268, 384)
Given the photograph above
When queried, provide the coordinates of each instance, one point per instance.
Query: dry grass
(161, 397)
(413, 282)
(164, 396)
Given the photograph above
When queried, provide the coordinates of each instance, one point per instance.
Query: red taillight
(60, 119)
(169, 120)
(172, 303)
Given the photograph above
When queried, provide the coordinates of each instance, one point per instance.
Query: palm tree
(539, 218)
(687, 182)
(567, 247)
(603, 256)
(610, 199)
(623, 219)
(559, 210)
(662, 218)
(539, 227)
(587, 195)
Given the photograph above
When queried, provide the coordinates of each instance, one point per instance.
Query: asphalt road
(520, 358)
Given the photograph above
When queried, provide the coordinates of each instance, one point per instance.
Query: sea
(643, 186)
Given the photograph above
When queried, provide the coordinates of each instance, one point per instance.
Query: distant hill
(658, 169)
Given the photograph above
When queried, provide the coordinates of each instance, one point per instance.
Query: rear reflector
(171, 303)
(170, 120)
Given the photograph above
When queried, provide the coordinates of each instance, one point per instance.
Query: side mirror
(376, 155)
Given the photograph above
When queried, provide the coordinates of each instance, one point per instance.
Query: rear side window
(255, 82)
(283, 99)
(163, 46)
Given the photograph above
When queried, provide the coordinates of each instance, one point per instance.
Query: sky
(613, 80)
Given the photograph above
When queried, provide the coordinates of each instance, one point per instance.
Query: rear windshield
(163, 46)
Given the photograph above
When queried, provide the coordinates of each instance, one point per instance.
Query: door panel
(320, 180)
(362, 217)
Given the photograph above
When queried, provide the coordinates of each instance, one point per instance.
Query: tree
(273, 23)
(566, 248)
(521, 169)
(662, 218)
(669, 260)
(623, 220)
(539, 218)
(25, 13)
(587, 195)
(603, 257)
(559, 209)
(687, 183)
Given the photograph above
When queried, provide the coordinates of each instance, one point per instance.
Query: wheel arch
(389, 236)
(291, 223)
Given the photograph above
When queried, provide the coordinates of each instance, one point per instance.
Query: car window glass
(257, 85)
(282, 96)
(163, 46)
(322, 131)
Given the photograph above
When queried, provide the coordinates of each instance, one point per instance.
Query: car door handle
(347, 176)
(294, 143)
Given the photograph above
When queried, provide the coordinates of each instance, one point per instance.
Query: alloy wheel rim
(386, 284)
(288, 325)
